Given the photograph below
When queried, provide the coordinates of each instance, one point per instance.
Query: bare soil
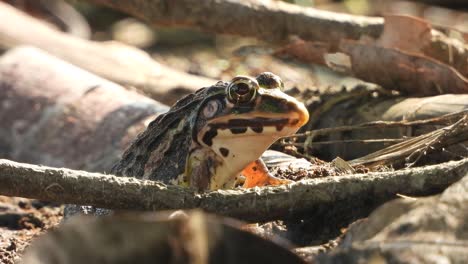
(21, 221)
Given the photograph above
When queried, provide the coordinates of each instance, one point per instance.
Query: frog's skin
(207, 139)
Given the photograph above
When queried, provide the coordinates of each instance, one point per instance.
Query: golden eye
(242, 90)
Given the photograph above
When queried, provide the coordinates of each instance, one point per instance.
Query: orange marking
(257, 174)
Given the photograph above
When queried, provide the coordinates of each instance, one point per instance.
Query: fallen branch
(57, 13)
(114, 61)
(256, 204)
(50, 105)
(267, 20)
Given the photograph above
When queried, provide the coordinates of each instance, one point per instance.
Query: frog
(214, 138)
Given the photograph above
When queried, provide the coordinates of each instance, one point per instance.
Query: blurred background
(222, 56)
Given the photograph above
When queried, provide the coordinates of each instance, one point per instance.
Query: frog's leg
(257, 174)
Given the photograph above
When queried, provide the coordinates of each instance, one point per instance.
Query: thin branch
(459, 130)
(417, 146)
(445, 119)
(330, 142)
(256, 204)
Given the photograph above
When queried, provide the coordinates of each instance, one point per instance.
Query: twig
(445, 119)
(445, 134)
(419, 146)
(329, 142)
(256, 204)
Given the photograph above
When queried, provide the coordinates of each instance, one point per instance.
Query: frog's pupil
(242, 88)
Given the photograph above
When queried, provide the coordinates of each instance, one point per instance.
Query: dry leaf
(309, 51)
(406, 72)
(407, 33)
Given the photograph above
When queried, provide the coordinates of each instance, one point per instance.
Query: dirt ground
(21, 221)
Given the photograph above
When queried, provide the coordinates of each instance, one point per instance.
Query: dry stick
(329, 142)
(268, 20)
(256, 204)
(455, 133)
(445, 119)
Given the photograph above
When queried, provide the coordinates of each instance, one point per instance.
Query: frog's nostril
(292, 107)
(301, 113)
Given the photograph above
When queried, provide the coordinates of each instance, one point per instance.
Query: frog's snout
(276, 103)
(300, 114)
(296, 111)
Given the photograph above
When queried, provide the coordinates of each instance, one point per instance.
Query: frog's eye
(242, 90)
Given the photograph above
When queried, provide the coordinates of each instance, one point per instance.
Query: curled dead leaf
(407, 33)
(309, 51)
(416, 35)
(406, 72)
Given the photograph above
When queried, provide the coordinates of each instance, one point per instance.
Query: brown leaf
(406, 33)
(406, 72)
(309, 51)
(415, 35)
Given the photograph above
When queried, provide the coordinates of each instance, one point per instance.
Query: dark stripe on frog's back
(137, 155)
(170, 162)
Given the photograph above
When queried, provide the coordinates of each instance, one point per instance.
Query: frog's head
(239, 120)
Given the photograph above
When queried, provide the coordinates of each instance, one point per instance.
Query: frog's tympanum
(209, 138)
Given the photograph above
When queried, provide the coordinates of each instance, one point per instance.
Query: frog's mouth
(239, 126)
(256, 127)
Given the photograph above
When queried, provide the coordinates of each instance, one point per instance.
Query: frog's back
(160, 152)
